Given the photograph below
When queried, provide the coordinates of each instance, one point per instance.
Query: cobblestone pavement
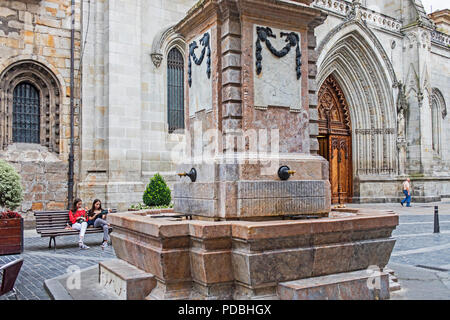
(416, 245)
(41, 264)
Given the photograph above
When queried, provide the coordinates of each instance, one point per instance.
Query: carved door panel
(340, 168)
(335, 139)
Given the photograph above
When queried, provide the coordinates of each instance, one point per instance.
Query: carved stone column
(250, 86)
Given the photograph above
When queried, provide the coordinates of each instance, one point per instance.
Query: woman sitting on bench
(97, 218)
(78, 218)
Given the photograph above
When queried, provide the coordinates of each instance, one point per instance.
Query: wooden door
(335, 142)
(340, 169)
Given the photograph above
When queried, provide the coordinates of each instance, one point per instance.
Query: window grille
(26, 114)
(175, 90)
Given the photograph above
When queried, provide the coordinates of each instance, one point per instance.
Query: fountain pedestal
(250, 109)
(250, 74)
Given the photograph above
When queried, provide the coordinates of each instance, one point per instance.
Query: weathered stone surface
(355, 285)
(125, 280)
(43, 176)
(247, 259)
(271, 89)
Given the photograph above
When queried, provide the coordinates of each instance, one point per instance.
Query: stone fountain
(252, 182)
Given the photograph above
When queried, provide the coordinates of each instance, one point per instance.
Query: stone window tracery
(47, 105)
(438, 112)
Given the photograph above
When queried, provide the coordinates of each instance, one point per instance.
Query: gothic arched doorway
(335, 139)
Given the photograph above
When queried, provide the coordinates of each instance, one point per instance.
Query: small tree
(11, 192)
(157, 192)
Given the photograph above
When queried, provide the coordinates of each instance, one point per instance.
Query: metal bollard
(436, 219)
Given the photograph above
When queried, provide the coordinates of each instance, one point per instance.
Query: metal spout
(284, 173)
(192, 174)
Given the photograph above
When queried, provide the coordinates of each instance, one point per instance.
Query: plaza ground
(420, 260)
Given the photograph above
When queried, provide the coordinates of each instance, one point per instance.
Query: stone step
(125, 280)
(394, 286)
(356, 285)
(388, 270)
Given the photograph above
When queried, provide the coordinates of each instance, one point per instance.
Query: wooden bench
(53, 224)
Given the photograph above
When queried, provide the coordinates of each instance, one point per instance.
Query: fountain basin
(194, 259)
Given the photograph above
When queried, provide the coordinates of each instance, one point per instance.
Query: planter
(11, 236)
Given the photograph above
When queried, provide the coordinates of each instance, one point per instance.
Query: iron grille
(26, 114)
(175, 90)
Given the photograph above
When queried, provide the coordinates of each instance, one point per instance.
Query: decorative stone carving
(401, 146)
(157, 58)
(271, 89)
(402, 106)
(198, 61)
(292, 39)
(162, 43)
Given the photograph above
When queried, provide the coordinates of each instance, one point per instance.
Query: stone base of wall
(390, 190)
(44, 178)
(117, 195)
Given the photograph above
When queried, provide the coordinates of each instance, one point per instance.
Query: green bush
(157, 192)
(11, 192)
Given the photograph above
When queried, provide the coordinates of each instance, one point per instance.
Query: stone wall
(38, 33)
(44, 178)
(124, 117)
(402, 54)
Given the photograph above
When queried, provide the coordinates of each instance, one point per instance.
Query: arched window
(438, 110)
(175, 90)
(30, 102)
(26, 114)
(435, 126)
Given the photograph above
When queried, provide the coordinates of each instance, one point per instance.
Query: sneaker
(401, 203)
(104, 245)
(83, 246)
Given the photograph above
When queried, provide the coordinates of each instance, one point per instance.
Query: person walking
(78, 218)
(407, 192)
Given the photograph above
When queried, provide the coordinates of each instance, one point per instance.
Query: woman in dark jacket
(97, 218)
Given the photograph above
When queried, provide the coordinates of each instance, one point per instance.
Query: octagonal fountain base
(277, 259)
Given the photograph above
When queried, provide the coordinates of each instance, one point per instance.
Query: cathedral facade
(382, 83)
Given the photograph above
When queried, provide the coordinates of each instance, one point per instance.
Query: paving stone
(41, 264)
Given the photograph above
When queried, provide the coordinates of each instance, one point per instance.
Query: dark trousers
(407, 198)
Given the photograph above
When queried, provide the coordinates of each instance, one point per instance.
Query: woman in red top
(78, 218)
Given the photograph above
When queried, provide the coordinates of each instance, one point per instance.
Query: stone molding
(164, 40)
(344, 9)
(349, 54)
(51, 100)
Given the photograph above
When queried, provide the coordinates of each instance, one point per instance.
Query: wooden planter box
(11, 236)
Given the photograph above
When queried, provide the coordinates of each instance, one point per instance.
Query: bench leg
(50, 243)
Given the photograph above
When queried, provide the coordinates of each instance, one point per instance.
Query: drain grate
(432, 268)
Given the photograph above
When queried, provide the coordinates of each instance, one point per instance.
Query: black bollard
(436, 219)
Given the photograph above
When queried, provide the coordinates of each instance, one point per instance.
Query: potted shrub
(11, 223)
